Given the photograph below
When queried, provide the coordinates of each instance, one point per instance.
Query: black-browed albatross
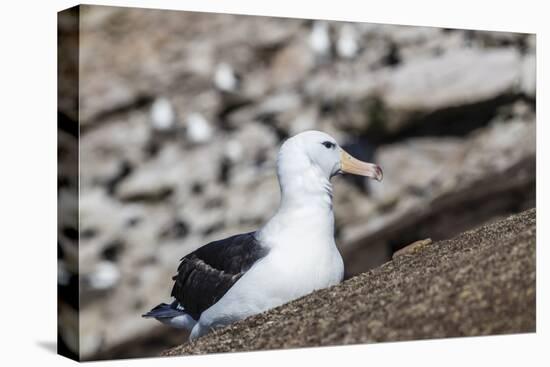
(293, 254)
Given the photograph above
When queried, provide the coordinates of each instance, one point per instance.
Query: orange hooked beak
(348, 164)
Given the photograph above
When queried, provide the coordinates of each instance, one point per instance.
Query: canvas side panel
(67, 183)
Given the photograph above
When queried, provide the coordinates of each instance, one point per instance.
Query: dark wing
(206, 274)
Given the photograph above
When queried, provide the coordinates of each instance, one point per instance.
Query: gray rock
(456, 75)
(528, 75)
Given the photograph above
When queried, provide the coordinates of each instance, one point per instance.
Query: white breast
(302, 258)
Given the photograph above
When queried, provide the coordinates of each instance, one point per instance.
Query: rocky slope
(481, 282)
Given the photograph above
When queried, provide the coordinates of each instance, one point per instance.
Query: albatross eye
(328, 144)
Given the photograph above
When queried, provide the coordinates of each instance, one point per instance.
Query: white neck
(307, 188)
(305, 210)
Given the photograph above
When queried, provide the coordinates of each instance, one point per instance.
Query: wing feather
(206, 274)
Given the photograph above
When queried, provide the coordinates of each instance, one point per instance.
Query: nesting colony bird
(198, 128)
(293, 254)
(319, 39)
(163, 116)
(225, 78)
(347, 45)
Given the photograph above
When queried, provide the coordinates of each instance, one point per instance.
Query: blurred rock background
(182, 113)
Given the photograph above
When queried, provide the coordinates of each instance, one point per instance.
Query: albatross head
(314, 153)
(305, 164)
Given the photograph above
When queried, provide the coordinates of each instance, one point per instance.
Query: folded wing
(206, 274)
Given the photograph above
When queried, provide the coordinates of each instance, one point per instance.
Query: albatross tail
(172, 315)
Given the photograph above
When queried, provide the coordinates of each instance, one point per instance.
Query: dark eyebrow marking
(328, 144)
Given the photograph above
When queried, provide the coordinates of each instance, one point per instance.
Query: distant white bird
(347, 44)
(225, 78)
(293, 254)
(104, 276)
(198, 128)
(163, 116)
(319, 39)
